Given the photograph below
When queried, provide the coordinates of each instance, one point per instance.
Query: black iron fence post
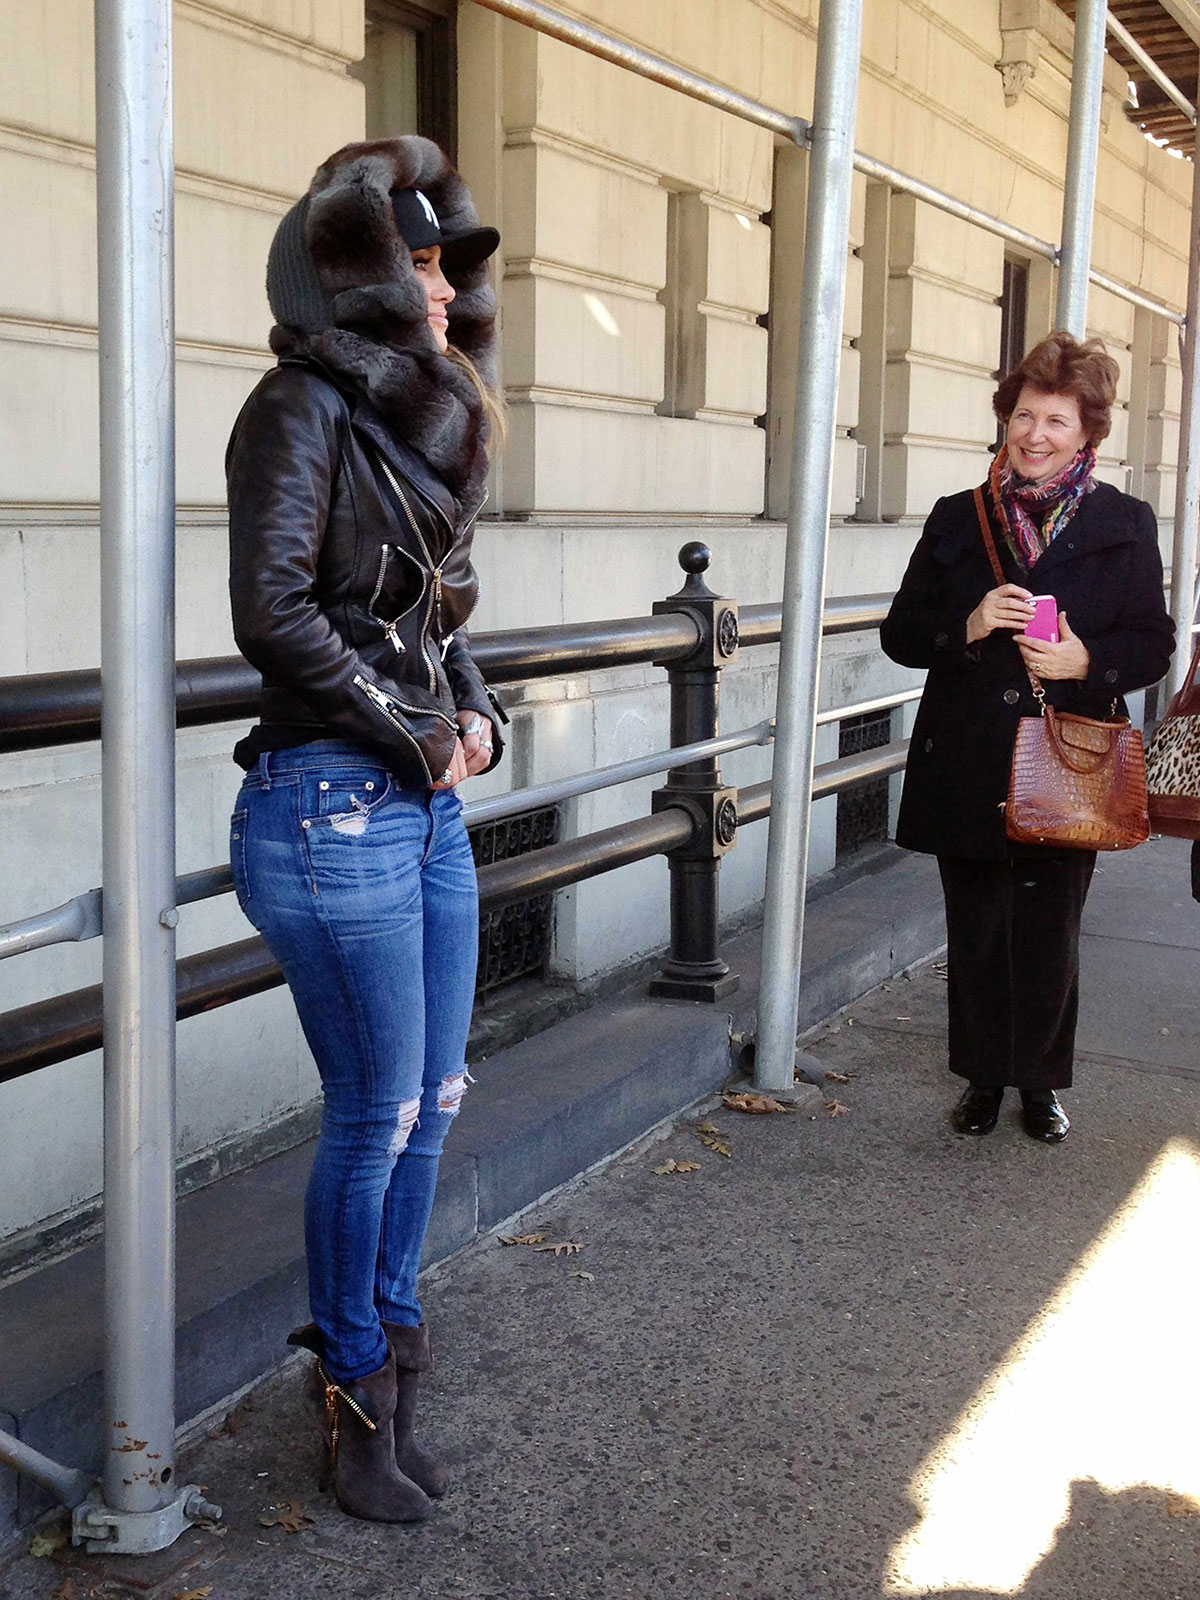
(693, 969)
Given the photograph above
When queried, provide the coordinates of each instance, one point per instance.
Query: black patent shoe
(1042, 1117)
(977, 1109)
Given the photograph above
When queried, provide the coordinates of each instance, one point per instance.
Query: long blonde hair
(494, 408)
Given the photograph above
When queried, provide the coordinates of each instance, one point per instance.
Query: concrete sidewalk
(857, 1356)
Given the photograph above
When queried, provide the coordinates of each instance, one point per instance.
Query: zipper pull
(393, 634)
(446, 643)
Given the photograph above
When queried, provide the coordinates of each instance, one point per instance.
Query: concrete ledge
(541, 1112)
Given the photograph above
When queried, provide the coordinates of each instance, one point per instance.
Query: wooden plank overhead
(1169, 32)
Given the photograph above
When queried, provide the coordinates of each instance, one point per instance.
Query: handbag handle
(1088, 762)
(998, 570)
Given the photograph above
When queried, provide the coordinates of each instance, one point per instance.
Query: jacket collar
(404, 460)
(1101, 521)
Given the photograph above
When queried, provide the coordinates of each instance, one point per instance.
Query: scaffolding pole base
(137, 1533)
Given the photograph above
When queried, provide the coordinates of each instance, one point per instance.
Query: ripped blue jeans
(366, 894)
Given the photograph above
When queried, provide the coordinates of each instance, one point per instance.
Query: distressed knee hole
(406, 1121)
(451, 1090)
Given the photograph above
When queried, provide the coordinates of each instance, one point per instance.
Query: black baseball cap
(420, 228)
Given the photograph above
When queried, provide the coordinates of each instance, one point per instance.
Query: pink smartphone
(1044, 622)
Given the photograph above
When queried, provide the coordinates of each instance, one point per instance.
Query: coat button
(941, 640)
(1012, 697)
(1111, 675)
(928, 746)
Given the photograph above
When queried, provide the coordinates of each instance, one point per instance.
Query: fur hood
(344, 293)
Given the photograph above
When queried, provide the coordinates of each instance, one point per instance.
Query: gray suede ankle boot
(360, 1444)
(410, 1347)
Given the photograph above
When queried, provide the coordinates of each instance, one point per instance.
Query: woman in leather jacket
(356, 469)
(1013, 910)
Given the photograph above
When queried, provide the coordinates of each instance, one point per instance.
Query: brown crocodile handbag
(1173, 762)
(1075, 783)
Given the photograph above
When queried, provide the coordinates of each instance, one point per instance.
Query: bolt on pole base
(138, 1533)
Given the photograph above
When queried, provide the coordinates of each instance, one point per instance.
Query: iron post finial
(694, 557)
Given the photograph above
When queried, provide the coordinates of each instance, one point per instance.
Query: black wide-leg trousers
(1013, 966)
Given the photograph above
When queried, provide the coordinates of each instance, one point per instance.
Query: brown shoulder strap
(986, 530)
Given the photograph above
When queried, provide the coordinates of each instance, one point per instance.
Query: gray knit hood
(342, 287)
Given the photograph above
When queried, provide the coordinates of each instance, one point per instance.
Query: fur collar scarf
(343, 291)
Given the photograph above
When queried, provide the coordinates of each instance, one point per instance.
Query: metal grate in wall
(862, 812)
(514, 942)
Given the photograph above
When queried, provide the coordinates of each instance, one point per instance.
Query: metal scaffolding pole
(140, 1507)
(1083, 141)
(830, 176)
(1187, 479)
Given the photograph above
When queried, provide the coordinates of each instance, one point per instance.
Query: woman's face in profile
(427, 264)
(1044, 433)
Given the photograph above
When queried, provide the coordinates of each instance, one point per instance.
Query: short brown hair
(1065, 365)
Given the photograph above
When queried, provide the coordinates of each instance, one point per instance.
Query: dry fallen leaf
(193, 1594)
(65, 1591)
(588, 1277)
(524, 1238)
(45, 1544)
(712, 1138)
(565, 1247)
(835, 1108)
(292, 1518)
(755, 1104)
(1179, 1505)
(671, 1165)
(839, 1077)
(206, 1526)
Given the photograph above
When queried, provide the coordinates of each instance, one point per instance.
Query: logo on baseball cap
(420, 228)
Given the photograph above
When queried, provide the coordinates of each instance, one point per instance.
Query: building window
(407, 70)
(1014, 316)
(680, 296)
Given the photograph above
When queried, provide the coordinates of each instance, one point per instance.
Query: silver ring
(446, 776)
(474, 726)
(484, 745)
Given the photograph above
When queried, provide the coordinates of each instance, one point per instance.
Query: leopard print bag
(1173, 763)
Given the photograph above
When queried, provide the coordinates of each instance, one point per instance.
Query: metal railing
(694, 634)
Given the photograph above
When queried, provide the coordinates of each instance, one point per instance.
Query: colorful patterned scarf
(1052, 503)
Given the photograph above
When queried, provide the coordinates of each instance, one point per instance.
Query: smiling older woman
(1013, 911)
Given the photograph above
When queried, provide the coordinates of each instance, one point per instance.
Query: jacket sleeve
(470, 692)
(926, 625)
(1136, 652)
(280, 467)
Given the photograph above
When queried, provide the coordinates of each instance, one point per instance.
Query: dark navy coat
(1104, 570)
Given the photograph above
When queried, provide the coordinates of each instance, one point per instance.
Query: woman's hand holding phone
(1009, 606)
(1069, 657)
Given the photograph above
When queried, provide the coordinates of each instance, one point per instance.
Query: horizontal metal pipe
(476, 812)
(1150, 67)
(851, 613)
(831, 777)
(1136, 298)
(558, 26)
(69, 1486)
(863, 708)
(880, 171)
(66, 924)
(40, 710)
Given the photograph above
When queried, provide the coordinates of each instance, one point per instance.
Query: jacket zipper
(389, 704)
(434, 609)
(390, 628)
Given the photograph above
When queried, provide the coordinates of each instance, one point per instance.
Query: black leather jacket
(350, 575)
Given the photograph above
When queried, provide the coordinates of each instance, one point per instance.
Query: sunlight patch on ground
(1104, 1385)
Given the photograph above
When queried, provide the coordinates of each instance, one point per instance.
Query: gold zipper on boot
(332, 1393)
